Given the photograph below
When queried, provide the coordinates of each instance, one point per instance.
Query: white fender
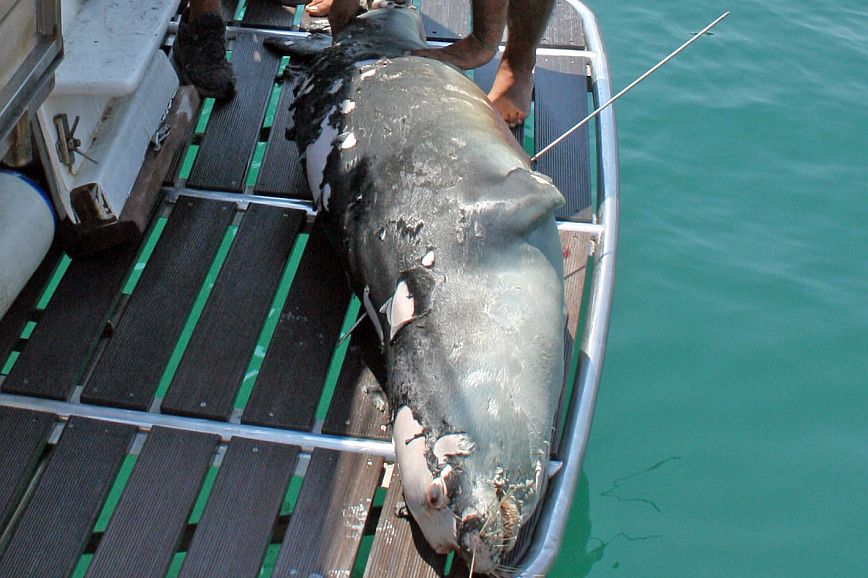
(26, 232)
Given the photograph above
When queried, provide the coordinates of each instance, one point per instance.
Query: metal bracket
(67, 144)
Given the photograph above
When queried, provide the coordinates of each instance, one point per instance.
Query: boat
(163, 415)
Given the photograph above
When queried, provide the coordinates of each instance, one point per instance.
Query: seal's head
(459, 498)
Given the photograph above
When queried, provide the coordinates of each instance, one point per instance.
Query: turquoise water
(730, 437)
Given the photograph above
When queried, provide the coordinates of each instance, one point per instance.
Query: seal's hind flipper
(300, 48)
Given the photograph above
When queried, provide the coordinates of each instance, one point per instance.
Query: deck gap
(204, 116)
(144, 255)
(529, 134)
(255, 163)
(290, 498)
(337, 361)
(297, 17)
(273, 100)
(240, 9)
(99, 346)
(114, 496)
(270, 324)
(202, 498)
(196, 311)
(7, 532)
(47, 293)
(175, 566)
(447, 566)
(187, 163)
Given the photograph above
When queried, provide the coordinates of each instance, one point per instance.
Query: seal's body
(450, 240)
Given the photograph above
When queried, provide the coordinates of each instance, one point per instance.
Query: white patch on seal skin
(326, 195)
(348, 106)
(365, 63)
(454, 444)
(348, 141)
(400, 309)
(317, 154)
(541, 178)
(438, 525)
(369, 73)
(306, 87)
(428, 259)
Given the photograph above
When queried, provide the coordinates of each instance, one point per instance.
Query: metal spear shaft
(626, 89)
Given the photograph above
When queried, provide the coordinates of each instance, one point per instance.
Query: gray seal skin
(450, 241)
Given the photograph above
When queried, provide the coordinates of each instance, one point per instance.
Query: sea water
(731, 431)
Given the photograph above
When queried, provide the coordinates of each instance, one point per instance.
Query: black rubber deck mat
(24, 434)
(234, 126)
(235, 528)
(281, 173)
(396, 535)
(446, 20)
(326, 526)
(54, 528)
(128, 373)
(269, 14)
(562, 101)
(352, 411)
(205, 384)
(564, 29)
(147, 524)
(293, 373)
(22, 309)
(58, 349)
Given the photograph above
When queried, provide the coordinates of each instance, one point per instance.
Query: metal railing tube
(553, 517)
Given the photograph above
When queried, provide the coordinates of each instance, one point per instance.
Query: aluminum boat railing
(549, 533)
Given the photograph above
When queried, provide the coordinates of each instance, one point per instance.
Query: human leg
(200, 50)
(480, 46)
(513, 83)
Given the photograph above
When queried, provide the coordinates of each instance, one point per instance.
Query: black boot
(200, 53)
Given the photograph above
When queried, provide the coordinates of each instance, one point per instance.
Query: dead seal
(450, 241)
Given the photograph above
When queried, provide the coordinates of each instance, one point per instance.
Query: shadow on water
(582, 551)
(620, 482)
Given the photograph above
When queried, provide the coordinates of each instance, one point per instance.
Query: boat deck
(185, 405)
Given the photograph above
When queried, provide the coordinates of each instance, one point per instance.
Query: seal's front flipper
(524, 198)
(300, 48)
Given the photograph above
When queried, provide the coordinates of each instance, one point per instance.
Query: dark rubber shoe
(200, 52)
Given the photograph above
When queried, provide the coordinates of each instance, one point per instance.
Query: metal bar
(243, 199)
(32, 82)
(145, 421)
(555, 511)
(232, 31)
(225, 430)
(577, 227)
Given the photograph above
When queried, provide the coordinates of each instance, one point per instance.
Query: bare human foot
(318, 8)
(339, 12)
(511, 93)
